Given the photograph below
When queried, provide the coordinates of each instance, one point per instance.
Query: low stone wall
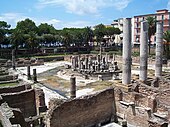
(8, 77)
(13, 89)
(24, 100)
(47, 59)
(83, 112)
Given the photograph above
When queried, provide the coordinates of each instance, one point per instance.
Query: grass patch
(98, 85)
(8, 84)
(57, 82)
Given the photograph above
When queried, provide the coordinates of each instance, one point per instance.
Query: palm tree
(16, 38)
(151, 29)
(88, 35)
(32, 41)
(166, 37)
(66, 38)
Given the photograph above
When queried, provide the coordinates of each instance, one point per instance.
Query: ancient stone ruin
(100, 66)
(140, 100)
(87, 111)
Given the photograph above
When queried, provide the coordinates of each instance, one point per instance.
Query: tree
(17, 38)
(166, 37)
(32, 41)
(66, 38)
(48, 39)
(99, 32)
(151, 29)
(4, 28)
(88, 35)
(27, 26)
(44, 28)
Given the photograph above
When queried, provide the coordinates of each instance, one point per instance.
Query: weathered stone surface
(12, 89)
(143, 51)
(159, 49)
(127, 61)
(83, 112)
(24, 100)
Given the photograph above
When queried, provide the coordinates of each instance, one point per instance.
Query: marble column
(74, 62)
(73, 87)
(143, 51)
(106, 58)
(34, 75)
(127, 61)
(13, 59)
(79, 62)
(86, 62)
(159, 49)
(28, 72)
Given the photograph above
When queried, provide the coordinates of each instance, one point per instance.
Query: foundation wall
(25, 101)
(83, 112)
(12, 89)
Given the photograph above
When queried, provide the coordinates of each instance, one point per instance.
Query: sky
(76, 13)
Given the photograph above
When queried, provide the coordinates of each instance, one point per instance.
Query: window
(137, 19)
(137, 31)
(155, 17)
(162, 17)
(143, 18)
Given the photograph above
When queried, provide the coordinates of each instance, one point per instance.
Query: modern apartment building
(118, 24)
(160, 15)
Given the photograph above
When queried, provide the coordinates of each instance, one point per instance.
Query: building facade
(118, 24)
(160, 16)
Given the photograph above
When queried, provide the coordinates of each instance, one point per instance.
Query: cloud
(121, 4)
(81, 7)
(13, 18)
(77, 24)
(168, 5)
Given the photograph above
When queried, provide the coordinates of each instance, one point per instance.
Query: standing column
(73, 87)
(86, 62)
(143, 51)
(13, 59)
(159, 49)
(28, 72)
(113, 58)
(79, 62)
(127, 61)
(106, 58)
(73, 62)
(34, 75)
(98, 62)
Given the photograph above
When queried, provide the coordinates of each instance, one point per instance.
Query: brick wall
(85, 111)
(24, 100)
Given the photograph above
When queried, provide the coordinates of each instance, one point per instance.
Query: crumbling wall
(24, 100)
(137, 116)
(140, 107)
(83, 112)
